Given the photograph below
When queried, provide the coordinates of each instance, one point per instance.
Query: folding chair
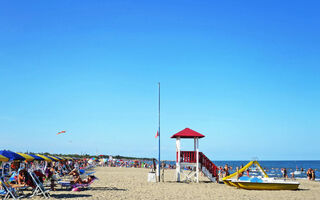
(68, 184)
(39, 190)
(7, 191)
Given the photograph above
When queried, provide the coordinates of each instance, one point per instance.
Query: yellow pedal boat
(266, 184)
(258, 183)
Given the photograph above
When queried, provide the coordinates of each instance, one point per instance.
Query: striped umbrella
(26, 156)
(3, 159)
(64, 158)
(61, 158)
(35, 157)
(52, 158)
(68, 158)
(11, 155)
(45, 158)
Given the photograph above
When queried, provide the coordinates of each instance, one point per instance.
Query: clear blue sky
(245, 74)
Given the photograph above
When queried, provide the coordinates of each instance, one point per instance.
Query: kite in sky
(60, 132)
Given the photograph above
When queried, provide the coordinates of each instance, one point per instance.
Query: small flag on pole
(61, 132)
(157, 134)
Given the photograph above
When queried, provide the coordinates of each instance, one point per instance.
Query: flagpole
(159, 162)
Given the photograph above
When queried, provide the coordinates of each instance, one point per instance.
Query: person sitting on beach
(88, 180)
(17, 180)
(24, 179)
(76, 176)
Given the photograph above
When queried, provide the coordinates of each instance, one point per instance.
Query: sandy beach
(131, 183)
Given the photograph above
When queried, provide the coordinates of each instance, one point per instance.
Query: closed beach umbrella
(11, 155)
(3, 159)
(36, 157)
(26, 156)
(45, 158)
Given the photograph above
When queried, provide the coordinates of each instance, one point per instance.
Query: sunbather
(76, 176)
(88, 180)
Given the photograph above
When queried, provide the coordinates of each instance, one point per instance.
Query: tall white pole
(178, 159)
(197, 152)
(159, 162)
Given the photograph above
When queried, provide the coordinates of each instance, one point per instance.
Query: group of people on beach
(311, 174)
(225, 171)
(19, 176)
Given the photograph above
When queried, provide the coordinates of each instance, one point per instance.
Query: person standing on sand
(285, 175)
(313, 175)
(309, 175)
(292, 175)
(226, 170)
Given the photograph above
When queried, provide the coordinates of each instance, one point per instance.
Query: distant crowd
(222, 171)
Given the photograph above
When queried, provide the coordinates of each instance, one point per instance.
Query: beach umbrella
(60, 157)
(52, 158)
(68, 158)
(64, 158)
(45, 158)
(56, 158)
(11, 155)
(36, 157)
(3, 159)
(26, 156)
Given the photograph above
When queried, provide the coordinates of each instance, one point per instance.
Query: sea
(273, 168)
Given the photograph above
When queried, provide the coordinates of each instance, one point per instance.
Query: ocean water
(273, 168)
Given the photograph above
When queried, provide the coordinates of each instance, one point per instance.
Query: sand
(131, 183)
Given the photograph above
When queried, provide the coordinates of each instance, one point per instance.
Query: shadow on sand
(69, 196)
(302, 189)
(107, 188)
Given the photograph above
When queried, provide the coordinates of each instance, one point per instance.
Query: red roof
(187, 133)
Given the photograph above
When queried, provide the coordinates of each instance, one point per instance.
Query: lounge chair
(8, 191)
(72, 186)
(39, 190)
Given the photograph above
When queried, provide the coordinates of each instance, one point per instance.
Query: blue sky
(245, 74)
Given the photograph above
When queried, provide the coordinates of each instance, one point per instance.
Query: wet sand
(131, 183)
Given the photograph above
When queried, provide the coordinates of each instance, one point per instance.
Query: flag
(61, 132)
(157, 134)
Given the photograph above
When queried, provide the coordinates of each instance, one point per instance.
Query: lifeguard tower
(192, 159)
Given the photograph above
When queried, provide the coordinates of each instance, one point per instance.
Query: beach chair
(75, 186)
(7, 191)
(39, 190)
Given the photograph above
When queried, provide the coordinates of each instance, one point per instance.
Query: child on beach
(313, 175)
